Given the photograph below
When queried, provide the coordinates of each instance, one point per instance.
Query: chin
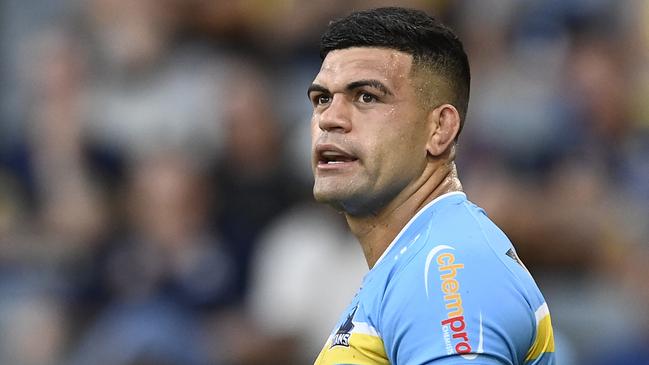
(344, 203)
(325, 197)
(332, 197)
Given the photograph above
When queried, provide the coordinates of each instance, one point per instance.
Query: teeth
(335, 162)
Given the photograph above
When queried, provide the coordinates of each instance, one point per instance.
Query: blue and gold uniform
(449, 289)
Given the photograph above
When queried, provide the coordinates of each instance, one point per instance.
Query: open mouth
(330, 156)
(333, 158)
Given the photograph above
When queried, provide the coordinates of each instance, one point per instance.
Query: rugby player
(445, 285)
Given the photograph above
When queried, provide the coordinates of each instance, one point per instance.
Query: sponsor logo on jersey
(341, 337)
(454, 326)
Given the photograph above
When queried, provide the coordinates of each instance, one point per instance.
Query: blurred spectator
(69, 199)
(32, 307)
(147, 91)
(306, 268)
(255, 180)
(154, 333)
(169, 269)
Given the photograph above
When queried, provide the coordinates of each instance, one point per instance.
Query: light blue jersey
(449, 289)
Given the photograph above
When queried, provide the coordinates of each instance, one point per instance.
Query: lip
(325, 149)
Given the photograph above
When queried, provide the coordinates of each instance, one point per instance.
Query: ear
(445, 124)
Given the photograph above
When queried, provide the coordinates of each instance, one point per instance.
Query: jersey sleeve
(448, 307)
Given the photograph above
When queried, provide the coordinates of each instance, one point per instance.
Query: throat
(375, 232)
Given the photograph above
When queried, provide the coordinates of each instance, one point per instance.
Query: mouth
(333, 157)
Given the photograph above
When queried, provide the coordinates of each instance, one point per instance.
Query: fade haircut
(435, 49)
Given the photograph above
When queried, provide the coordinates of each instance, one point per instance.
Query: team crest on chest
(342, 335)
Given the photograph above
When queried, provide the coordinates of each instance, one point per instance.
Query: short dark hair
(432, 44)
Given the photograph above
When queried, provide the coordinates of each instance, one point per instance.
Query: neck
(376, 231)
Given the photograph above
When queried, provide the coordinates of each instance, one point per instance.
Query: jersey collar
(413, 219)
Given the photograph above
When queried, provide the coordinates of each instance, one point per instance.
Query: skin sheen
(379, 154)
(367, 109)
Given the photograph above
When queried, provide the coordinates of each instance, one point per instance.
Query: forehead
(345, 65)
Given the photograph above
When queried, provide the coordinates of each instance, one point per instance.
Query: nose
(337, 116)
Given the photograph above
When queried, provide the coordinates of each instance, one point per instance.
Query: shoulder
(459, 289)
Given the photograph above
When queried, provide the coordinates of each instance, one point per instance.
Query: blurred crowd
(155, 180)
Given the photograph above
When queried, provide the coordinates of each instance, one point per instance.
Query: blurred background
(155, 203)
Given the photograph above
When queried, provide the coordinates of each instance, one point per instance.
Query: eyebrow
(316, 87)
(353, 85)
(371, 83)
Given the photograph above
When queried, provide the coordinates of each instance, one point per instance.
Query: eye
(321, 99)
(366, 98)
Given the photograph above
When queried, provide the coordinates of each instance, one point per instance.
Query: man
(445, 285)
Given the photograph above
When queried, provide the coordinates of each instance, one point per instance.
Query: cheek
(405, 149)
(387, 152)
(315, 130)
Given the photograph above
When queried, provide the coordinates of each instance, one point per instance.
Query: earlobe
(445, 125)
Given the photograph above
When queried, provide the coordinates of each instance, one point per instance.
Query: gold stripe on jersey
(544, 341)
(363, 349)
